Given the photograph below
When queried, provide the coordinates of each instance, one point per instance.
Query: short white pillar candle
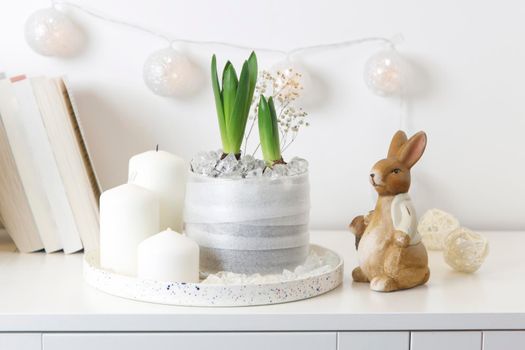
(164, 174)
(128, 215)
(169, 256)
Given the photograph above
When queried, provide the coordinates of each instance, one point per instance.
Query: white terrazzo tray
(270, 291)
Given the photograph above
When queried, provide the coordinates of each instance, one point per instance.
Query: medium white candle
(128, 215)
(164, 174)
(169, 256)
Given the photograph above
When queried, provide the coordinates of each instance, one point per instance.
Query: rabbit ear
(399, 139)
(413, 149)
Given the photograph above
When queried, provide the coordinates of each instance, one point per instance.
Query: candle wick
(157, 148)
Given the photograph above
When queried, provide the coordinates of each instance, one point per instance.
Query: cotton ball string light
(50, 32)
(168, 72)
(385, 73)
(434, 226)
(465, 250)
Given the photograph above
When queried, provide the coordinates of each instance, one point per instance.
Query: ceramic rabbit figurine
(391, 255)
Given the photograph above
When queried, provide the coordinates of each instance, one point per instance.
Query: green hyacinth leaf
(239, 117)
(219, 104)
(229, 91)
(252, 66)
(269, 131)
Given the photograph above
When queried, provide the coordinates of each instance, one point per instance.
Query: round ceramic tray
(206, 294)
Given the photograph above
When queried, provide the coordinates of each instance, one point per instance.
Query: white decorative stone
(210, 164)
(465, 250)
(434, 226)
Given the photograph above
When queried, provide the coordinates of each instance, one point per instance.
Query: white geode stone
(313, 265)
(465, 250)
(210, 164)
(434, 226)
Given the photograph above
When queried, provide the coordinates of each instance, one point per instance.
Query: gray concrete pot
(252, 225)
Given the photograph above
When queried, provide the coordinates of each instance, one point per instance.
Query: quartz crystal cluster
(314, 265)
(210, 164)
(465, 250)
(434, 226)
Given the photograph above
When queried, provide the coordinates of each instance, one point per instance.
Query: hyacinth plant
(269, 132)
(285, 87)
(238, 99)
(233, 100)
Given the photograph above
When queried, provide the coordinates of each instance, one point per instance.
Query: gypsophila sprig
(285, 87)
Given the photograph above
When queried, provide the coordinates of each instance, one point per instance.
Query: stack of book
(48, 189)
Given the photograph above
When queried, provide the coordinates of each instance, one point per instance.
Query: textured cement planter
(252, 225)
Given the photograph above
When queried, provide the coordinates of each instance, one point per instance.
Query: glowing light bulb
(50, 32)
(168, 72)
(385, 73)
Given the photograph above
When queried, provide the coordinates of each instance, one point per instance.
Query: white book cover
(33, 189)
(69, 151)
(66, 235)
(74, 106)
(89, 232)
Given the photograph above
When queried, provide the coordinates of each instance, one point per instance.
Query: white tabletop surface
(40, 292)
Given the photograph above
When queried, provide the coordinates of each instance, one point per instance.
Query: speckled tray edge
(212, 295)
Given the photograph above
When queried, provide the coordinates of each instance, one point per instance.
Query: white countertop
(40, 292)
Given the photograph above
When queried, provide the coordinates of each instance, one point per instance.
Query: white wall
(469, 57)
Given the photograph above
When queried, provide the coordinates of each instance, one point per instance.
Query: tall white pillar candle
(164, 174)
(169, 256)
(128, 215)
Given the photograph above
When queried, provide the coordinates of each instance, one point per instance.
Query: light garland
(385, 73)
(168, 72)
(50, 32)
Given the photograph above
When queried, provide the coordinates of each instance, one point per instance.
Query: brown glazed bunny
(391, 255)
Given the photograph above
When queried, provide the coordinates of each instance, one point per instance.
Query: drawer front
(497, 340)
(373, 341)
(445, 340)
(20, 341)
(194, 341)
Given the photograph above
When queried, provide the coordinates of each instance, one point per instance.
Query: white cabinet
(445, 340)
(194, 341)
(499, 340)
(373, 340)
(20, 341)
(359, 340)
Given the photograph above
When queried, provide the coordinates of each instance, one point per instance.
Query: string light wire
(171, 40)
(174, 40)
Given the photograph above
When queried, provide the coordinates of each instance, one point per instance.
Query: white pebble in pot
(465, 250)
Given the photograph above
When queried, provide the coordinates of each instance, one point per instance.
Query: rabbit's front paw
(383, 284)
(368, 217)
(357, 226)
(358, 275)
(401, 239)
